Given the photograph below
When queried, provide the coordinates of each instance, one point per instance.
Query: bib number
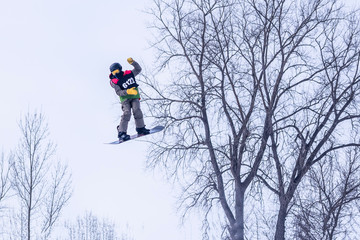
(126, 84)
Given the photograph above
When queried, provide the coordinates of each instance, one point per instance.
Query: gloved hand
(132, 91)
(130, 60)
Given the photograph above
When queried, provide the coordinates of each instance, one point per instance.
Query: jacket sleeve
(137, 69)
(118, 90)
(121, 93)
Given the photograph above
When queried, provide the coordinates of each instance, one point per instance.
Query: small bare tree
(4, 187)
(4, 178)
(327, 207)
(41, 185)
(90, 227)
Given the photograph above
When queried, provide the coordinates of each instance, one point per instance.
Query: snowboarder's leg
(139, 118)
(138, 115)
(125, 118)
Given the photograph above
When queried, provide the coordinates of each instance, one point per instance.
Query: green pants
(127, 106)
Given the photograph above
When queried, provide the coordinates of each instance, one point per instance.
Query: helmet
(115, 66)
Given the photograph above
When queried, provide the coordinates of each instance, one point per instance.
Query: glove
(132, 91)
(130, 60)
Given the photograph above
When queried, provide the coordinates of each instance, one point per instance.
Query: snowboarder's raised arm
(137, 69)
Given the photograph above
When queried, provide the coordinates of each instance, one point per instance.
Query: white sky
(54, 57)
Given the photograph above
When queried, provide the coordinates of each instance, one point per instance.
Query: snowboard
(153, 130)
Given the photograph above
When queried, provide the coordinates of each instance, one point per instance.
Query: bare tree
(90, 227)
(41, 185)
(4, 178)
(58, 195)
(4, 187)
(260, 91)
(311, 128)
(330, 199)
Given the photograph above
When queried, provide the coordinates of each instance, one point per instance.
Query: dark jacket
(125, 80)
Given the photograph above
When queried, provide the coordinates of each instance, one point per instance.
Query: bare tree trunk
(238, 232)
(280, 225)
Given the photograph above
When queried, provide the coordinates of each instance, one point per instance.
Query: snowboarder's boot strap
(123, 136)
(142, 131)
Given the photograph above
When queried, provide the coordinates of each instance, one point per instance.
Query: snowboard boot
(123, 136)
(142, 131)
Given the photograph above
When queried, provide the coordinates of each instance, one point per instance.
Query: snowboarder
(126, 88)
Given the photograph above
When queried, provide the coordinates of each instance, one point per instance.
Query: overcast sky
(54, 58)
